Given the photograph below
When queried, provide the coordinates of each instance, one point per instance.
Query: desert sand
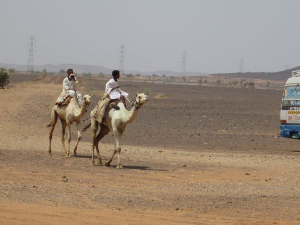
(194, 155)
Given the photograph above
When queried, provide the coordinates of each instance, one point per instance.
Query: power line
(183, 63)
(122, 54)
(31, 49)
(241, 66)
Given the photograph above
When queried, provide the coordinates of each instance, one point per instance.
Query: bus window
(292, 92)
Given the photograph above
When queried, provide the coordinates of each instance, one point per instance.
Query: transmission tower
(183, 63)
(122, 54)
(31, 49)
(287, 66)
(241, 66)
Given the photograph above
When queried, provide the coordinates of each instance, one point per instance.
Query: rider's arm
(110, 85)
(66, 86)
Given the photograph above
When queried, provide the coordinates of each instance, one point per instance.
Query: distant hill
(276, 76)
(93, 69)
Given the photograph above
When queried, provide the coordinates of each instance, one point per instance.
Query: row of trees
(242, 83)
(2, 69)
(4, 78)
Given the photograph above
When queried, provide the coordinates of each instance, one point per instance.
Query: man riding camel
(112, 88)
(112, 95)
(70, 89)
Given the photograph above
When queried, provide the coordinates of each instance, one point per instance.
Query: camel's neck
(79, 112)
(131, 114)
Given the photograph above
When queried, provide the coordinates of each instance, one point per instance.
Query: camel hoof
(75, 153)
(119, 166)
(107, 164)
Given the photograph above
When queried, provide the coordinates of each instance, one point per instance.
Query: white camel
(115, 121)
(68, 114)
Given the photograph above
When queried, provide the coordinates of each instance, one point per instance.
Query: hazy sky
(216, 34)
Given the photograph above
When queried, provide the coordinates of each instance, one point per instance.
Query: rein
(128, 99)
(136, 105)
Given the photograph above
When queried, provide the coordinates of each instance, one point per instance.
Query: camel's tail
(86, 127)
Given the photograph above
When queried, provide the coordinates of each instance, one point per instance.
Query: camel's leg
(54, 117)
(78, 124)
(117, 136)
(107, 163)
(94, 127)
(69, 139)
(63, 131)
(104, 130)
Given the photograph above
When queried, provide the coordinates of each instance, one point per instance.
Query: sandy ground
(194, 155)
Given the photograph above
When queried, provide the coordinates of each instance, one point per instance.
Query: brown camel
(68, 114)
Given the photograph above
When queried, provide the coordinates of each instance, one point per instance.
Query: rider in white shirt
(112, 87)
(69, 86)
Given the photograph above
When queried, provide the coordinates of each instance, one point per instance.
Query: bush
(11, 70)
(249, 84)
(4, 79)
(147, 91)
(235, 82)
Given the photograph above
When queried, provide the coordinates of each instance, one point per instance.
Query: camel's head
(87, 99)
(140, 100)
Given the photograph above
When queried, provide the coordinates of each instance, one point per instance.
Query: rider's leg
(73, 95)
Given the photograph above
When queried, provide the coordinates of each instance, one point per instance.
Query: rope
(128, 99)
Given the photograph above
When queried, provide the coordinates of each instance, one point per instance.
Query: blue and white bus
(290, 107)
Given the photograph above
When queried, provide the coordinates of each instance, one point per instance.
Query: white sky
(216, 34)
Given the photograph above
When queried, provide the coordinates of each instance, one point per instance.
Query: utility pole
(286, 66)
(122, 54)
(31, 49)
(183, 63)
(241, 66)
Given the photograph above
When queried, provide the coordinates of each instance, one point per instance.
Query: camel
(115, 121)
(68, 114)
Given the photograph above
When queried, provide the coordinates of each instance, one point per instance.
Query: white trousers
(73, 95)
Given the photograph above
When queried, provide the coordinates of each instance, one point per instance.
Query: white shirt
(112, 91)
(69, 85)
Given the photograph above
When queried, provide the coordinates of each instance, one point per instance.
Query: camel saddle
(101, 110)
(64, 99)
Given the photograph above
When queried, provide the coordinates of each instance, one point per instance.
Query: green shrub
(147, 91)
(4, 79)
